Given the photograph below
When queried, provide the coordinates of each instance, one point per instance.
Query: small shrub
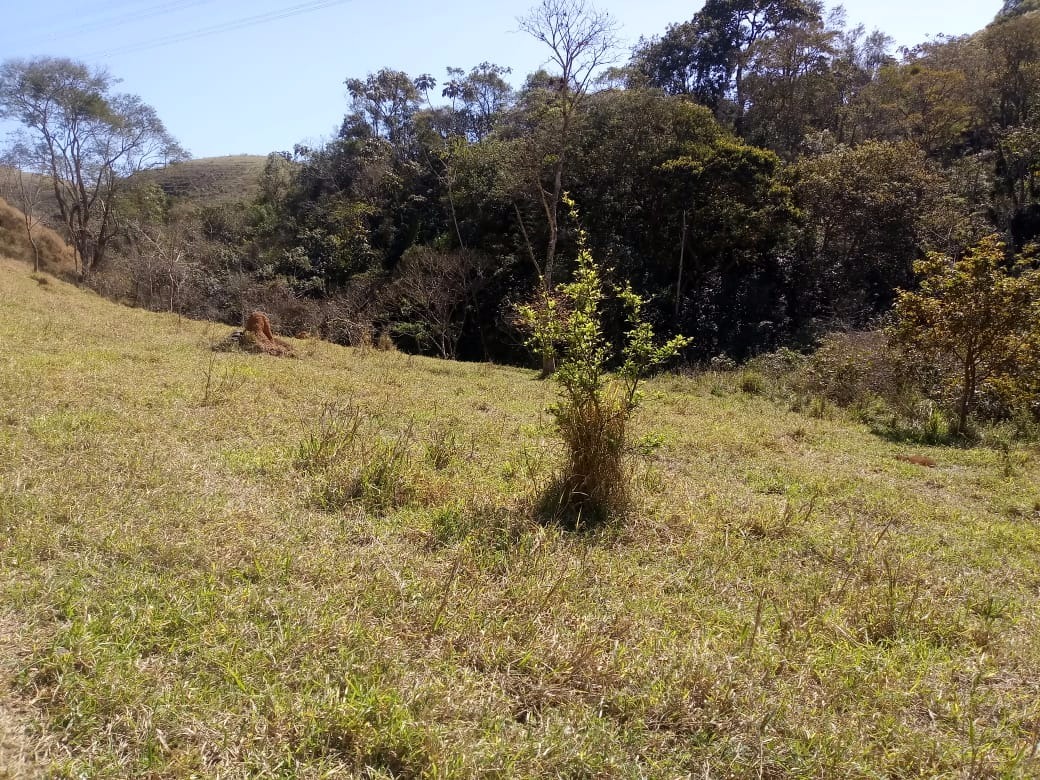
(752, 383)
(594, 409)
(820, 408)
(385, 342)
(722, 363)
(852, 370)
(936, 426)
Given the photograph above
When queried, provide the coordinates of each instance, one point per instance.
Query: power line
(90, 15)
(171, 6)
(230, 26)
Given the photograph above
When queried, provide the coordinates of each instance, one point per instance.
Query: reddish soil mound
(257, 337)
(917, 460)
(260, 326)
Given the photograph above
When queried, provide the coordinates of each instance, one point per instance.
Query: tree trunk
(36, 253)
(967, 394)
(548, 364)
(682, 258)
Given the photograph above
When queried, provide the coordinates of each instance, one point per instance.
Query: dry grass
(56, 257)
(787, 599)
(211, 181)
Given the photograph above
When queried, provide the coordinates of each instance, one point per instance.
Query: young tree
(594, 408)
(28, 193)
(581, 40)
(974, 310)
(86, 139)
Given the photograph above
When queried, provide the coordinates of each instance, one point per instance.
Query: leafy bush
(752, 383)
(981, 314)
(594, 408)
(856, 369)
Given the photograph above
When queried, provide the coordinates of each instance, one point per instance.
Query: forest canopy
(761, 173)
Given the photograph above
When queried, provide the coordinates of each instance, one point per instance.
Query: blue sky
(267, 86)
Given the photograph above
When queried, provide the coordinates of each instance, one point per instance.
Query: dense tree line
(762, 173)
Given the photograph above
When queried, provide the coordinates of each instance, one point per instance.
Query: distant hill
(211, 181)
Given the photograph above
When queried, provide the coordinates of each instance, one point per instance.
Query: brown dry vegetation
(56, 256)
(210, 181)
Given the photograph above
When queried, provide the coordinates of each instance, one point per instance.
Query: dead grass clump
(385, 342)
(367, 728)
(220, 385)
(593, 484)
(484, 524)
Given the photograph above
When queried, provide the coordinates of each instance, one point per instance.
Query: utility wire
(230, 26)
(172, 6)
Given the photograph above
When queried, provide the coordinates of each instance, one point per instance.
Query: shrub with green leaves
(595, 405)
(982, 313)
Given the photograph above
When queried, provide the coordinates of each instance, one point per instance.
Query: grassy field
(225, 565)
(210, 181)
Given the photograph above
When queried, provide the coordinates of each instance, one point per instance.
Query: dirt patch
(18, 755)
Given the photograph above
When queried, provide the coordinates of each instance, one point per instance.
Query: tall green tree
(711, 56)
(870, 212)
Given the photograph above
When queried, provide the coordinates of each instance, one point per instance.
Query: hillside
(56, 256)
(217, 564)
(212, 180)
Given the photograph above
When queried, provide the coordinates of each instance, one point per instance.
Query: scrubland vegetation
(233, 565)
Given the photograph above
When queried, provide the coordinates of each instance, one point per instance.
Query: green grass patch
(785, 599)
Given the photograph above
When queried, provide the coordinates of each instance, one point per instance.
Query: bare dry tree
(27, 190)
(434, 288)
(581, 41)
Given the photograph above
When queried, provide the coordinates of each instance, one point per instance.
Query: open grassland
(226, 565)
(210, 181)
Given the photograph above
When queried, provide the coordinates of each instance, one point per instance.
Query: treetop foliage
(761, 173)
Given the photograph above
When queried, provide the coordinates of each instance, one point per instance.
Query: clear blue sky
(267, 86)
